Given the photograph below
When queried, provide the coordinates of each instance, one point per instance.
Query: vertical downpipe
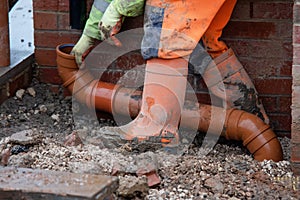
(4, 34)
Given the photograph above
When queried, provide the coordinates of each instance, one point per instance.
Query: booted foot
(115, 137)
(227, 79)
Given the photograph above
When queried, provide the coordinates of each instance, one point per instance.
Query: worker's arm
(111, 22)
(110, 14)
(90, 32)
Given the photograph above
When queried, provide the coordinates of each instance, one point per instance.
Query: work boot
(162, 102)
(227, 79)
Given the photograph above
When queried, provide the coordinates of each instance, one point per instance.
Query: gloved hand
(110, 24)
(112, 19)
(90, 32)
(83, 44)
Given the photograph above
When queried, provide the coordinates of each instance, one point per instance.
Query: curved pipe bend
(257, 136)
(239, 125)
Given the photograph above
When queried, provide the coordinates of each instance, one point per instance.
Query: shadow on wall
(12, 3)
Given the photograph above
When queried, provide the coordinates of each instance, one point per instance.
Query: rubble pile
(33, 129)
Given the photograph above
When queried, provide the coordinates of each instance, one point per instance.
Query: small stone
(129, 185)
(20, 93)
(55, 117)
(233, 198)
(215, 184)
(26, 137)
(181, 195)
(5, 154)
(203, 195)
(31, 91)
(43, 108)
(248, 194)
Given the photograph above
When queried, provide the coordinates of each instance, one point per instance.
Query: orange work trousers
(173, 28)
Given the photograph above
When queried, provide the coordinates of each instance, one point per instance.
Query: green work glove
(83, 44)
(112, 19)
(90, 32)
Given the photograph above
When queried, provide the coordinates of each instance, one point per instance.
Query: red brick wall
(52, 27)
(295, 146)
(260, 32)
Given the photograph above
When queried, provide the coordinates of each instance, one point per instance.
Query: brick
(273, 86)
(49, 75)
(63, 21)
(285, 105)
(296, 75)
(296, 34)
(295, 152)
(111, 76)
(260, 67)
(295, 131)
(129, 78)
(21, 80)
(54, 38)
(296, 11)
(129, 61)
(262, 48)
(296, 97)
(63, 5)
(45, 56)
(296, 115)
(242, 29)
(241, 10)
(272, 10)
(295, 167)
(284, 29)
(285, 67)
(270, 104)
(49, 5)
(280, 122)
(296, 54)
(259, 29)
(295, 112)
(44, 20)
(47, 184)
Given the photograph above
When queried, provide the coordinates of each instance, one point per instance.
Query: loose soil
(226, 172)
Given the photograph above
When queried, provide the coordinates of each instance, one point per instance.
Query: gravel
(227, 172)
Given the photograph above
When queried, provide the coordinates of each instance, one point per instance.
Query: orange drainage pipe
(4, 37)
(239, 125)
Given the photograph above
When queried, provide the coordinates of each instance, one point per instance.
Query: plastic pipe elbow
(257, 136)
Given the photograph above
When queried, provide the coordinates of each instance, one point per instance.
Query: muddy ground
(227, 172)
